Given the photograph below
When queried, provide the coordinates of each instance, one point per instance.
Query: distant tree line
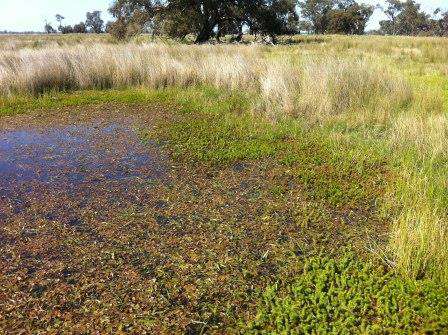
(407, 18)
(207, 19)
(92, 24)
(334, 16)
(26, 32)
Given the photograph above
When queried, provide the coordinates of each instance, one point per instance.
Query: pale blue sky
(27, 15)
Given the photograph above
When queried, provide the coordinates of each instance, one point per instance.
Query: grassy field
(360, 122)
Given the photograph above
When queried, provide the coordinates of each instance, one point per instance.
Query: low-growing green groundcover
(351, 296)
(341, 296)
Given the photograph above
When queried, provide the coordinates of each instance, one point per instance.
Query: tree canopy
(94, 22)
(336, 16)
(211, 18)
(207, 19)
(407, 18)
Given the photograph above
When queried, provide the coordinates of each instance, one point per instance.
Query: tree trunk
(239, 37)
(218, 35)
(205, 34)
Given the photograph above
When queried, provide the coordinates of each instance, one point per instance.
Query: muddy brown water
(59, 163)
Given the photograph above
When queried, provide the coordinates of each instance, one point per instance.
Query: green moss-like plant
(351, 296)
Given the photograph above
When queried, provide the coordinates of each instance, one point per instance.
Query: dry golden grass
(11, 42)
(332, 87)
(318, 88)
(107, 66)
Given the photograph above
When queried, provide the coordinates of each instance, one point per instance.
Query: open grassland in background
(9, 42)
(378, 100)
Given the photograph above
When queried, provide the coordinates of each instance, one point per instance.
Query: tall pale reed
(420, 231)
(151, 66)
(109, 66)
(334, 87)
(323, 87)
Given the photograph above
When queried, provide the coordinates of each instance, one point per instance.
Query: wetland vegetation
(261, 189)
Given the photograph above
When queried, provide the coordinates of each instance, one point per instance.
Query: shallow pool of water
(73, 154)
(78, 160)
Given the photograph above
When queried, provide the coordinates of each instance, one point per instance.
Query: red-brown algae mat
(104, 233)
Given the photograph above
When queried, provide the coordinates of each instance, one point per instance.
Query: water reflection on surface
(78, 161)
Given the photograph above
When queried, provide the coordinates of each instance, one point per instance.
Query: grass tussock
(427, 135)
(108, 66)
(317, 88)
(333, 87)
(420, 232)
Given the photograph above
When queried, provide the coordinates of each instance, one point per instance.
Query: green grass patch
(23, 104)
(215, 128)
(222, 138)
(351, 296)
